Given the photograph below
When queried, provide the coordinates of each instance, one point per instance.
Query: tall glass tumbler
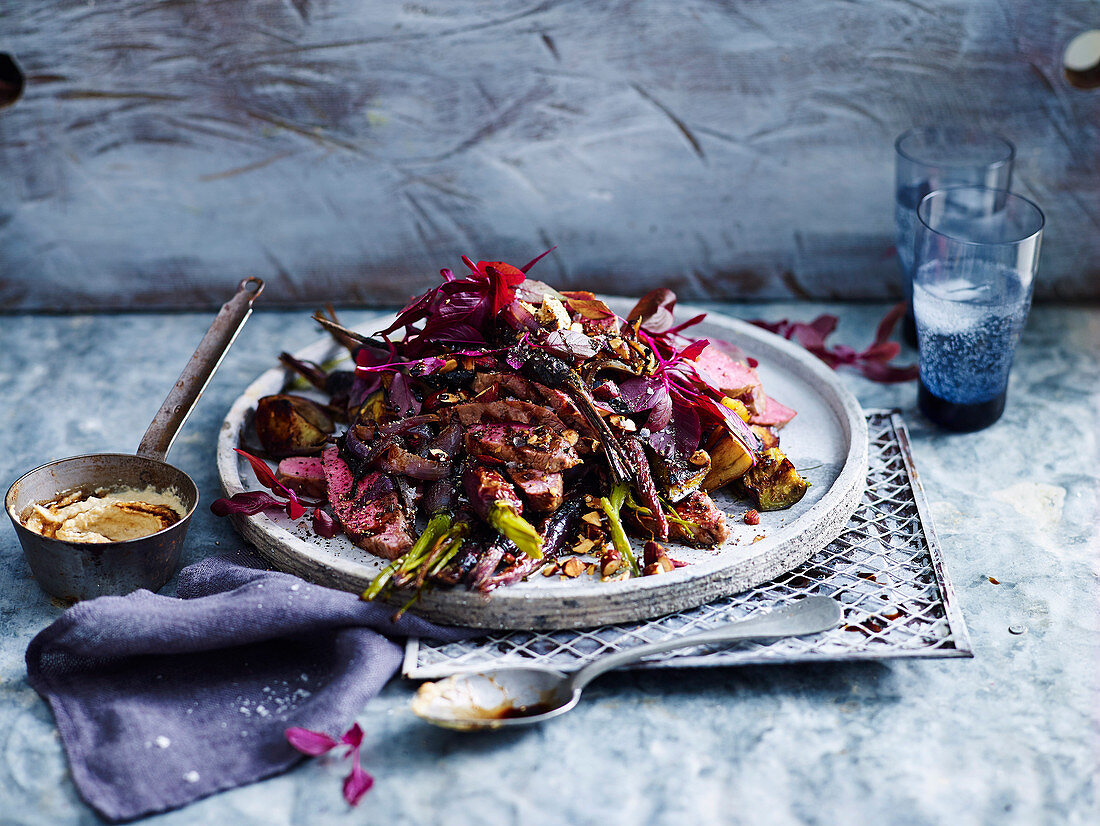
(977, 252)
(938, 157)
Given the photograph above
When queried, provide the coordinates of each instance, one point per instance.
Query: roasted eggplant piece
(290, 425)
(678, 477)
(729, 460)
(773, 482)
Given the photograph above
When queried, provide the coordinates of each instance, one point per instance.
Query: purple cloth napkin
(161, 701)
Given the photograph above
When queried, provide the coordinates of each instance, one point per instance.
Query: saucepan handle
(158, 439)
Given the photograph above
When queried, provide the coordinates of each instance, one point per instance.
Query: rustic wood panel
(346, 149)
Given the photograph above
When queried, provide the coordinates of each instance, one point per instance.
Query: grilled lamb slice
(506, 410)
(304, 475)
(533, 448)
(736, 380)
(774, 414)
(709, 522)
(543, 491)
(523, 388)
(368, 509)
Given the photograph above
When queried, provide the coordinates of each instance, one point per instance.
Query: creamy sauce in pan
(102, 516)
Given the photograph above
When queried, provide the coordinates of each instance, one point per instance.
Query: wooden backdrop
(346, 149)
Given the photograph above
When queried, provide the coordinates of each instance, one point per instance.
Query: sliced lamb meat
(506, 410)
(396, 459)
(523, 388)
(543, 491)
(304, 475)
(709, 522)
(534, 448)
(774, 414)
(368, 509)
(736, 380)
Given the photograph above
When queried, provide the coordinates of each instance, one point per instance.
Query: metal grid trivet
(886, 569)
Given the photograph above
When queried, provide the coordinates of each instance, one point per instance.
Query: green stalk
(411, 559)
(445, 548)
(673, 516)
(456, 539)
(611, 506)
(504, 518)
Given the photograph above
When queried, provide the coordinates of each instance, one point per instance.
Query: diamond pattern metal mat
(886, 569)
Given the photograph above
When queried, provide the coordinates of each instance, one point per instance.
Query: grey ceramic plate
(827, 441)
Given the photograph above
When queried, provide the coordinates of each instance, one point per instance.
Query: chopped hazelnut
(573, 567)
(610, 562)
(699, 458)
(584, 545)
(623, 422)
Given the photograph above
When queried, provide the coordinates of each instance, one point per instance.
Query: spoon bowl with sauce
(110, 523)
(525, 695)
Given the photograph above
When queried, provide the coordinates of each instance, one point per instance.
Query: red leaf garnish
(356, 784)
(248, 503)
(252, 502)
(315, 743)
(692, 351)
(872, 362)
(401, 396)
(536, 259)
(309, 742)
(263, 473)
(353, 736)
(294, 508)
(654, 310)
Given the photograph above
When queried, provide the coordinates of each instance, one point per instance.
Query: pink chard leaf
(309, 742)
(315, 743)
(353, 736)
(262, 471)
(248, 503)
(294, 509)
(872, 362)
(356, 784)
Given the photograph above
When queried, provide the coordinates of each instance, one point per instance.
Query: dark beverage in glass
(977, 252)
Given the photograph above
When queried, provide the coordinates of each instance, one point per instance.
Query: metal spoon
(523, 695)
(83, 570)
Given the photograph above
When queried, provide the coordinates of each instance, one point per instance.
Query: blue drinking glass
(976, 255)
(939, 157)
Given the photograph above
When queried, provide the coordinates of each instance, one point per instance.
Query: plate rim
(623, 601)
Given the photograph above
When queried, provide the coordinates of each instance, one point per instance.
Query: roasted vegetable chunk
(729, 460)
(773, 482)
(292, 425)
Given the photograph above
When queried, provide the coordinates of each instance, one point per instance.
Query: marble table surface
(1009, 737)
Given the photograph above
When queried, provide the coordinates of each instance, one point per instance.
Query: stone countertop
(1012, 736)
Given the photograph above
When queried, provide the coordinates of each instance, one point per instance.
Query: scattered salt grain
(191, 776)
(294, 587)
(162, 742)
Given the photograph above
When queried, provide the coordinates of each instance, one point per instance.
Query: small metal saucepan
(83, 570)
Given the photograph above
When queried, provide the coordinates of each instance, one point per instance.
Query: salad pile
(500, 427)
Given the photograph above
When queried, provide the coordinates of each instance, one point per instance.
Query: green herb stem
(437, 526)
(612, 506)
